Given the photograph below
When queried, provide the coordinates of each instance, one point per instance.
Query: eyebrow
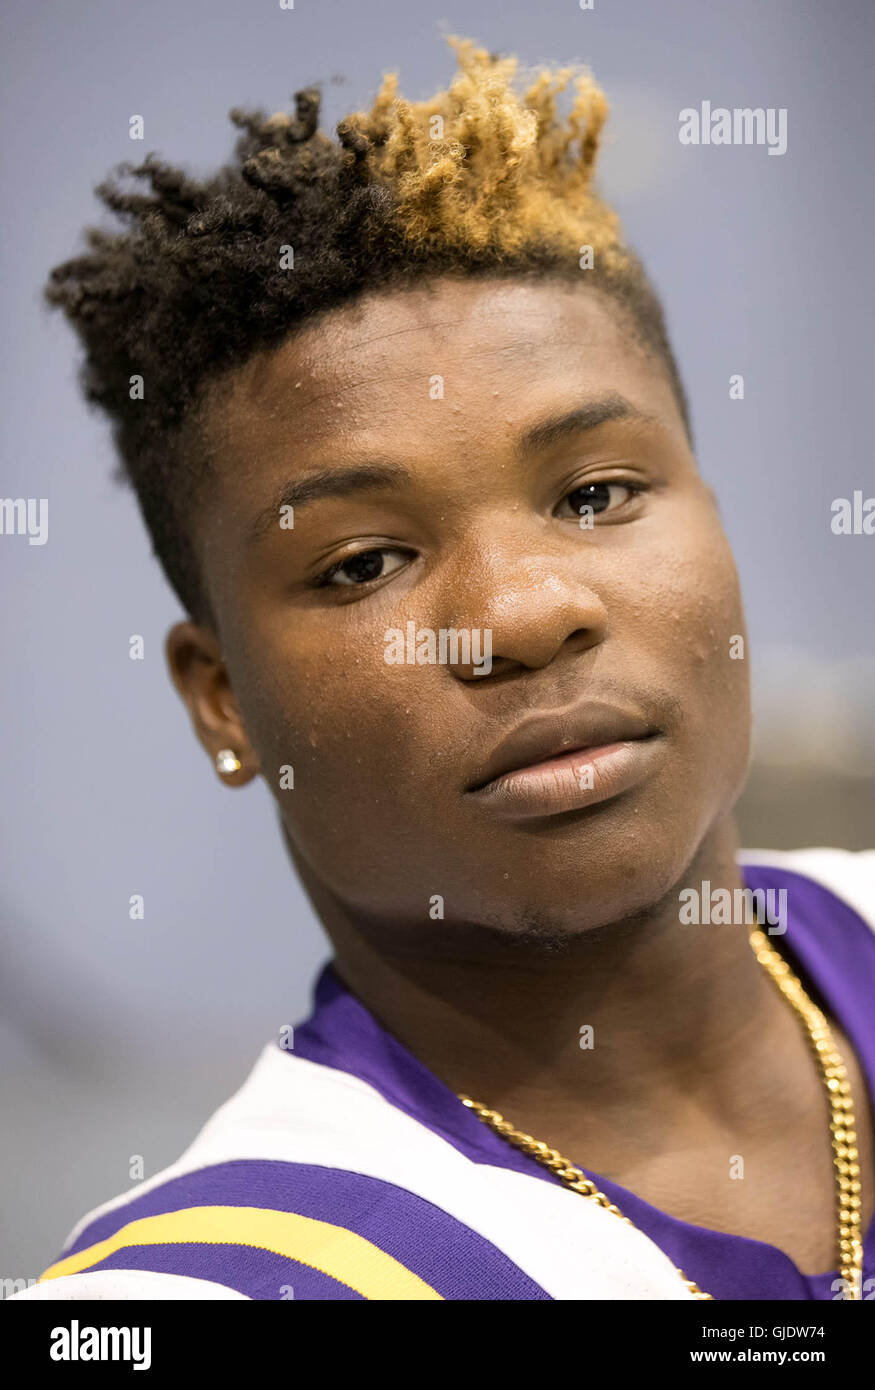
(328, 482)
(587, 416)
(341, 480)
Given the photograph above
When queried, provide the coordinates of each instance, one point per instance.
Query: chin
(586, 880)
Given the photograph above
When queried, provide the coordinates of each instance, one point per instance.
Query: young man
(409, 439)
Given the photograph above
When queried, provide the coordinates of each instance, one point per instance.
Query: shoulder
(848, 874)
(126, 1284)
(310, 1184)
(306, 1184)
(254, 1208)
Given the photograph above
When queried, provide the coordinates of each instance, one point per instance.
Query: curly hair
(201, 275)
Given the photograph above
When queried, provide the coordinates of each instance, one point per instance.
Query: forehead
(454, 354)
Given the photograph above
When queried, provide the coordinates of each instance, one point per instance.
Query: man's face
(440, 446)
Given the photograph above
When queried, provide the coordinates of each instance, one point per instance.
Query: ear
(199, 674)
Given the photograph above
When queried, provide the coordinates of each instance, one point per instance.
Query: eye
(365, 567)
(601, 497)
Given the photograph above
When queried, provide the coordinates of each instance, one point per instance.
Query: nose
(527, 608)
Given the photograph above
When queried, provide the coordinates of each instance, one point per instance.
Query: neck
(675, 1011)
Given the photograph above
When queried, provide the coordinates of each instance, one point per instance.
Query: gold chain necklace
(842, 1127)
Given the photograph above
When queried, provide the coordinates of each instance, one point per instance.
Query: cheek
(682, 583)
(700, 631)
(346, 722)
(304, 701)
(706, 612)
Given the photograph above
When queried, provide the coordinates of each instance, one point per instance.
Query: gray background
(118, 1038)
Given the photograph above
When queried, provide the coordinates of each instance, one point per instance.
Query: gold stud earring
(227, 761)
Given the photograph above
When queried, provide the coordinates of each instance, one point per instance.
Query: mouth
(554, 764)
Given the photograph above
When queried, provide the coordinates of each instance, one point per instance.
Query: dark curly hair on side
(478, 180)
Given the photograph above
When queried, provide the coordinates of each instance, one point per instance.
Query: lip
(558, 763)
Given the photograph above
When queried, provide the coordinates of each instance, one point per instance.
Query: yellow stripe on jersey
(332, 1250)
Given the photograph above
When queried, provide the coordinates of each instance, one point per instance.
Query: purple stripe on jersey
(257, 1273)
(826, 940)
(454, 1260)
